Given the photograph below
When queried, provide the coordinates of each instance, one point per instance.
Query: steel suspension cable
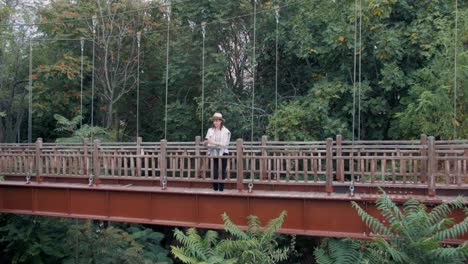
(93, 72)
(167, 66)
(138, 87)
(30, 94)
(81, 82)
(277, 9)
(354, 68)
(359, 72)
(203, 24)
(455, 73)
(254, 64)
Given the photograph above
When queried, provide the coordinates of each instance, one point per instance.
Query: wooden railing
(426, 163)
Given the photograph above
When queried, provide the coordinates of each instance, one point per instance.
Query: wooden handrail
(331, 162)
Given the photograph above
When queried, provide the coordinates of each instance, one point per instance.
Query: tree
(13, 70)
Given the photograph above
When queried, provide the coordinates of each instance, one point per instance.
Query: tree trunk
(109, 115)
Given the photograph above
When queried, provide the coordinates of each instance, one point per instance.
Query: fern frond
(371, 222)
(275, 224)
(233, 229)
(395, 254)
(443, 210)
(412, 206)
(389, 209)
(253, 224)
(457, 230)
(452, 254)
(321, 256)
(182, 255)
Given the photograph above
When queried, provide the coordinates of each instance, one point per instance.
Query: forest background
(386, 66)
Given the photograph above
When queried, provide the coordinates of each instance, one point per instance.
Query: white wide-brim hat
(218, 116)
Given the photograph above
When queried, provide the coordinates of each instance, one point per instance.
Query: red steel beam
(314, 214)
(360, 188)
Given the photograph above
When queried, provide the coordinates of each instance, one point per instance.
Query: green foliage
(32, 239)
(256, 245)
(68, 125)
(78, 135)
(198, 249)
(316, 116)
(345, 251)
(415, 235)
(91, 242)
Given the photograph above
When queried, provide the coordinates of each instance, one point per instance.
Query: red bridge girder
(309, 213)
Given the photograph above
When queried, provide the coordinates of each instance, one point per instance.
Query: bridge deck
(316, 214)
(169, 183)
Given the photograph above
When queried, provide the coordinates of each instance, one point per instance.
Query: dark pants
(219, 185)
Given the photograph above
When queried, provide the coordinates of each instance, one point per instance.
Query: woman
(217, 140)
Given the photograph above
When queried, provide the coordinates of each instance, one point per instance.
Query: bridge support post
(197, 154)
(339, 161)
(239, 164)
(423, 142)
(329, 167)
(38, 160)
(96, 165)
(431, 167)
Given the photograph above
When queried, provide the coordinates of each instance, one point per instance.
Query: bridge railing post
(423, 142)
(239, 163)
(431, 166)
(329, 167)
(340, 160)
(85, 162)
(38, 160)
(96, 164)
(263, 161)
(197, 155)
(163, 164)
(138, 156)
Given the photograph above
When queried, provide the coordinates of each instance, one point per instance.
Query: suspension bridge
(169, 183)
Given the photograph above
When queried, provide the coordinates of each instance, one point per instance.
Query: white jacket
(219, 141)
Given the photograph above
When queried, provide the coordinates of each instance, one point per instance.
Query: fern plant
(67, 125)
(415, 234)
(196, 249)
(346, 251)
(255, 245)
